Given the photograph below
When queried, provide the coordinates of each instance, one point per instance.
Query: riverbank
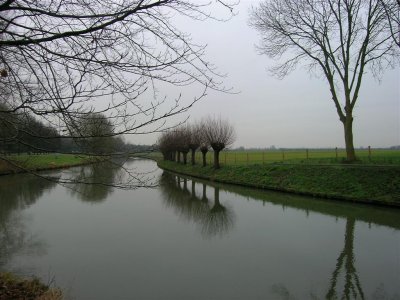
(364, 184)
(13, 287)
(31, 163)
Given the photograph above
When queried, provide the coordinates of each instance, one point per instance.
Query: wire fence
(310, 156)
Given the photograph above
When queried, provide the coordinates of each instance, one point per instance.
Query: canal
(191, 239)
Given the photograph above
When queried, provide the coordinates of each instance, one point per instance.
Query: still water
(188, 239)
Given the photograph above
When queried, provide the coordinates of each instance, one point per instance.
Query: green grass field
(18, 163)
(378, 156)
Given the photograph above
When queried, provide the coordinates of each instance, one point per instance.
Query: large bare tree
(63, 60)
(219, 134)
(338, 38)
(392, 9)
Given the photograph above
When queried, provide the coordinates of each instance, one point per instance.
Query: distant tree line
(21, 132)
(213, 133)
(93, 134)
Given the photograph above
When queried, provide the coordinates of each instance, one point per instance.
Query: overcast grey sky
(294, 112)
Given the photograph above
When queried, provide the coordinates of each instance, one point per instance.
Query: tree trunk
(216, 196)
(172, 156)
(216, 159)
(204, 158)
(185, 158)
(217, 208)
(193, 156)
(346, 261)
(193, 192)
(204, 198)
(185, 189)
(348, 136)
(178, 157)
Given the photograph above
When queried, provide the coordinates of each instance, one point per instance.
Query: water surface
(188, 239)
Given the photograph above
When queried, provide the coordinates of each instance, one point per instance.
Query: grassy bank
(367, 184)
(22, 163)
(13, 287)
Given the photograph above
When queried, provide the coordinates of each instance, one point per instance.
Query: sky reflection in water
(188, 239)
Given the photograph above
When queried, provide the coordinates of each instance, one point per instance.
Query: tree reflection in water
(95, 182)
(214, 218)
(15, 196)
(352, 286)
(219, 219)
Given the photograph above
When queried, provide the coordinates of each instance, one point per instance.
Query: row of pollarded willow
(210, 132)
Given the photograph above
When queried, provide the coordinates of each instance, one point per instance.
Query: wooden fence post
(369, 153)
(336, 153)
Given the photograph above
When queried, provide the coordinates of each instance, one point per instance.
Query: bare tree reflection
(219, 220)
(204, 194)
(193, 191)
(16, 239)
(190, 207)
(282, 292)
(16, 194)
(94, 182)
(381, 294)
(213, 219)
(346, 261)
(19, 191)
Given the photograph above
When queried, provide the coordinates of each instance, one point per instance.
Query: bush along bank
(13, 287)
(364, 184)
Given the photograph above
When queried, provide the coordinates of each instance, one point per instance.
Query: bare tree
(339, 38)
(219, 134)
(182, 141)
(392, 10)
(204, 145)
(98, 134)
(167, 146)
(204, 150)
(195, 140)
(62, 60)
